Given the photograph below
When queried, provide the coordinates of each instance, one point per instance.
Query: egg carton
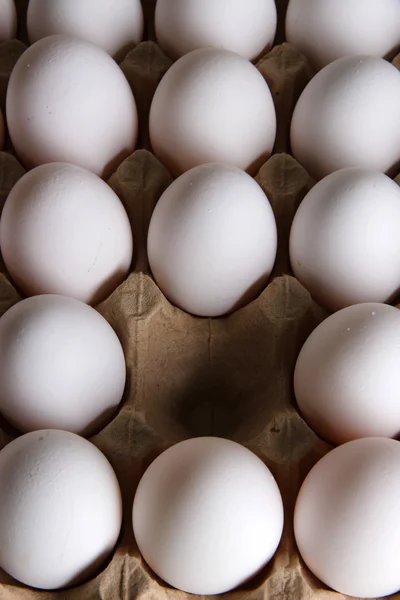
(189, 376)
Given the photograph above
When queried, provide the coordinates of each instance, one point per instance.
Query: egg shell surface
(212, 106)
(217, 509)
(60, 509)
(68, 101)
(347, 375)
(344, 241)
(346, 518)
(114, 25)
(64, 231)
(61, 366)
(325, 30)
(246, 27)
(348, 116)
(8, 20)
(212, 240)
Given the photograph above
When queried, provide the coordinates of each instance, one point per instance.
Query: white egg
(348, 116)
(64, 231)
(61, 366)
(347, 375)
(68, 101)
(207, 515)
(325, 30)
(60, 509)
(212, 106)
(8, 20)
(344, 241)
(346, 518)
(246, 27)
(212, 240)
(114, 25)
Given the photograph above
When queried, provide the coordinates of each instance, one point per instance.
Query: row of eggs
(63, 367)
(323, 30)
(150, 519)
(334, 394)
(194, 118)
(207, 514)
(63, 230)
(68, 101)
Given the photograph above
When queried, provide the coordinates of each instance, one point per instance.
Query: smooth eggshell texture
(114, 26)
(346, 518)
(61, 367)
(68, 101)
(344, 241)
(64, 231)
(8, 20)
(325, 30)
(348, 116)
(347, 375)
(212, 240)
(212, 106)
(60, 509)
(218, 511)
(246, 27)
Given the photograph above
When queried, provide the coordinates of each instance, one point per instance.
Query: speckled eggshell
(346, 518)
(68, 101)
(218, 511)
(212, 240)
(212, 106)
(113, 25)
(64, 231)
(62, 366)
(325, 30)
(246, 27)
(60, 509)
(344, 241)
(348, 116)
(347, 375)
